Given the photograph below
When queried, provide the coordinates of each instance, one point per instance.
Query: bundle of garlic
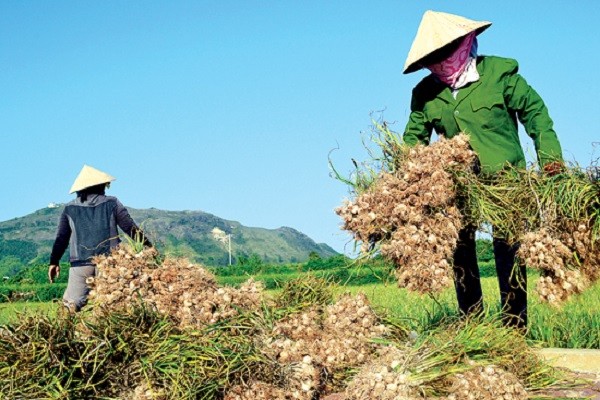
(486, 383)
(255, 390)
(303, 379)
(145, 392)
(349, 327)
(298, 381)
(556, 220)
(559, 280)
(186, 292)
(579, 237)
(384, 378)
(305, 325)
(336, 337)
(412, 213)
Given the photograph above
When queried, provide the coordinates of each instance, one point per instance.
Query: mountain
(178, 233)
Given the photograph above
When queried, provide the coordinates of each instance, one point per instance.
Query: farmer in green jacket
(484, 97)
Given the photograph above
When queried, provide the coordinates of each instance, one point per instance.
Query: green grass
(343, 275)
(576, 324)
(36, 292)
(10, 312)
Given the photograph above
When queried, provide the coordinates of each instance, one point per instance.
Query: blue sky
(232, 107)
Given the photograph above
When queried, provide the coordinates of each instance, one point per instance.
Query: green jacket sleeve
(417, 129)
(533, 114)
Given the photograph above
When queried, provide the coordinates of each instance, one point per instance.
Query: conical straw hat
(437, 29)
(89, 177)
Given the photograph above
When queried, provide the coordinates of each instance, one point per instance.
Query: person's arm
(533, 114)
(417, 130)
(63, 234)
(126, 223)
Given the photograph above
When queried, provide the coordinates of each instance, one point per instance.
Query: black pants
(512, 281)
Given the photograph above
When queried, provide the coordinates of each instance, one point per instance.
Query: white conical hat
(89, 177)
(437, 29)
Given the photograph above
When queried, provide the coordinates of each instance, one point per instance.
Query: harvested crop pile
(186, 292)
(315, 346)
(412, 204)
(131, 354)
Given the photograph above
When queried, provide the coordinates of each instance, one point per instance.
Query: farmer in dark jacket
(88, 225)
(484, 97)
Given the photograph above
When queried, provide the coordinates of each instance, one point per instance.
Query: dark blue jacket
(89, 228)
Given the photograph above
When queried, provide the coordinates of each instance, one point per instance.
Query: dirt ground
(589, 390)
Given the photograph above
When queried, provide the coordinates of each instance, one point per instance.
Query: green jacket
(487, 110)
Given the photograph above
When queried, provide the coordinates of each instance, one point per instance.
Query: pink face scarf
(450, 70)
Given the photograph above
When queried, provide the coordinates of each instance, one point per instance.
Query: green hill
(28, 239)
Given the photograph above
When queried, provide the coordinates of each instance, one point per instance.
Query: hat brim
(418, 64)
